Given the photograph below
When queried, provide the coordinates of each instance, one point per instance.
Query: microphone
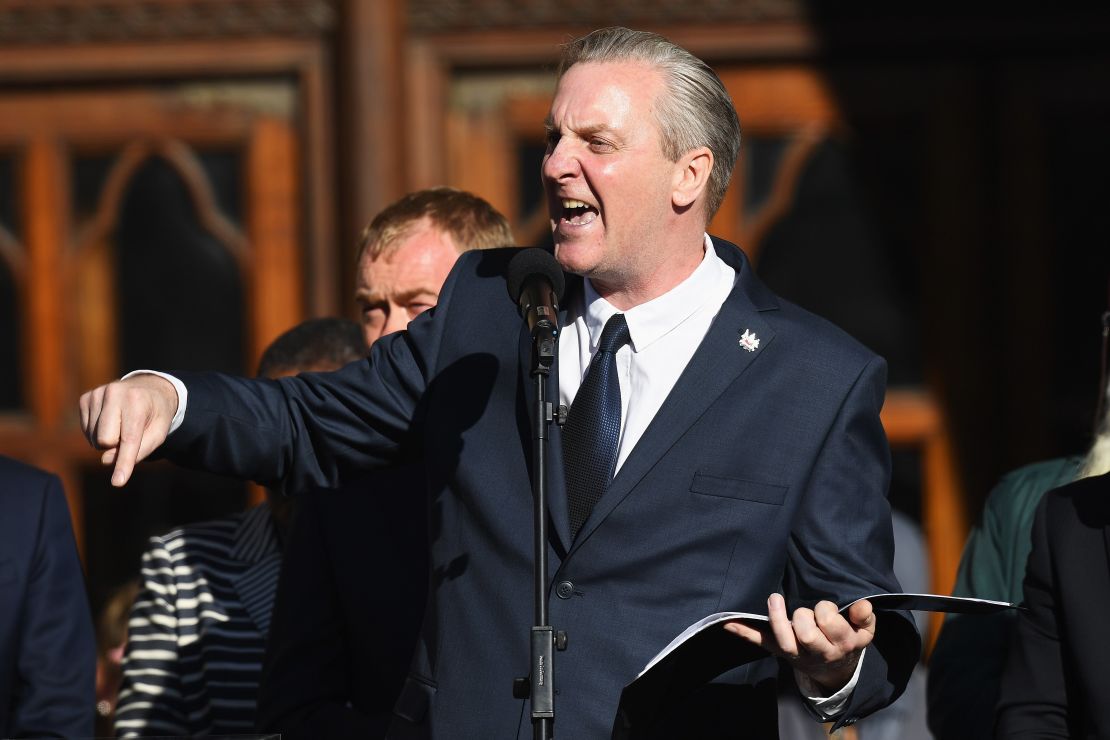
(536, 283)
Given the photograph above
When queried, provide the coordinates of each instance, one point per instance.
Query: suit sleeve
(295, 434)
(150, 695)
(306, 683)
(1032, 697)
(842, 546)
(57, 655)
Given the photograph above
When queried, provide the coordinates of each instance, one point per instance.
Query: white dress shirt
(665, 332)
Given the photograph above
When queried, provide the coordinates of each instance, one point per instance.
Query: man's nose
(397, 320)
(559, 162)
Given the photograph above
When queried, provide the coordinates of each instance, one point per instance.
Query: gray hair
(697, 111)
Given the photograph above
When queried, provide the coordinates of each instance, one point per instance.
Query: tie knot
(615, 334)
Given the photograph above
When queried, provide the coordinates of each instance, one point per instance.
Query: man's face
(607, 181)
(398, 286)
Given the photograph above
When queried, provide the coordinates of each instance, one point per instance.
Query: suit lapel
(717, 363)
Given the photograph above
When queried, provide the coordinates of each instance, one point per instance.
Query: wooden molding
(783, 191)
(185, 164)
(273, 285)
(435, 56)
(44, 181)
(41, 22)
(431, 16)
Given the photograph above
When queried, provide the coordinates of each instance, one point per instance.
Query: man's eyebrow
(409, 295)
(374, 297)
(369, 295)
(583, 131)
(590, 129)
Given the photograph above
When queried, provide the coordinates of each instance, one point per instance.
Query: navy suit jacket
(763, 471)
(47, 648)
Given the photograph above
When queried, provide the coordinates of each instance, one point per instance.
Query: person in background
(47, 647)
(407, 250)
(197, 629)
(970, 652)
(1054, 683)
(352, 587)
(111, 642)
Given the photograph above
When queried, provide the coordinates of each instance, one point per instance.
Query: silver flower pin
(749, 341)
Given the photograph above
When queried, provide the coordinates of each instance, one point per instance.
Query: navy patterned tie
(593, 427)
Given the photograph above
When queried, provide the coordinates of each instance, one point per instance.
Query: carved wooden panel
(80, 21)
(428, 16)
(114, 188)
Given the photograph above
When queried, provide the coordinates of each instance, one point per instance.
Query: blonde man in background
(352, 588)
(408, 249)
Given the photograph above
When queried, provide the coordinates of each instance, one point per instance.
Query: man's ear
(691, 176)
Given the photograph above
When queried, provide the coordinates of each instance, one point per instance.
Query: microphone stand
(539, 685)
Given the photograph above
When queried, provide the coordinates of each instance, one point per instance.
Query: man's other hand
(821, 643)
(128, 419)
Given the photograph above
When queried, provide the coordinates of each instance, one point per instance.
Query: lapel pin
(749, 341)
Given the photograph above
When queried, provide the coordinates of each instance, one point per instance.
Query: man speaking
(748, 457)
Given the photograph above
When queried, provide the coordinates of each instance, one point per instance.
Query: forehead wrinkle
(582, 130)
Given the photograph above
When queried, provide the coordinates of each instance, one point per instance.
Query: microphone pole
(536, 283)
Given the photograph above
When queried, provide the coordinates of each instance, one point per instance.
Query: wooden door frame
(304, 60)
(431, 59)
(28, 70)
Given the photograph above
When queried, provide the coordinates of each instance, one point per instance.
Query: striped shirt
(198, 629)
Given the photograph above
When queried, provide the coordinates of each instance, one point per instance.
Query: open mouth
(577, 213)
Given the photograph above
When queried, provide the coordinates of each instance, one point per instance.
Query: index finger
(130, 441)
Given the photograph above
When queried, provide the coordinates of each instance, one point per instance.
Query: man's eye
(415, 309)
(600, 145)
(552, 139)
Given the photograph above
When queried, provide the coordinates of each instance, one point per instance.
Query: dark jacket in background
(47, 647)
(349, 605)
(967, 661)
(1055, 683)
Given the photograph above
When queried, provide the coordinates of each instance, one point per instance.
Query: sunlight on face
(607, 181)
(400, 285)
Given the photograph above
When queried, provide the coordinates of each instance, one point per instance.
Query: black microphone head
(534, 261)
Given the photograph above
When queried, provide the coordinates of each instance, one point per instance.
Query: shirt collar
(659, 316)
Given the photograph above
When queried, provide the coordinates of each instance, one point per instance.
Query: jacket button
(564, 590)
